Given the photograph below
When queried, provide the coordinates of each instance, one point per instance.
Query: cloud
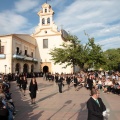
(99, 18)
(11, 22)
(110, 40)
(113, 42)
(25, 5)
(107, 31)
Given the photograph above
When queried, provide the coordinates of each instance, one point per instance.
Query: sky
(98, 18)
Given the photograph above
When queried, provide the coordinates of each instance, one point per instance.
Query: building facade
(17, 53)
(30, 53)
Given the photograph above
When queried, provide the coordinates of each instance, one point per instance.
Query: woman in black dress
(90, 82)
(60, 83)
(68, 81)
(56, 78)
(20, 82)
(75, 80)
(33, 89)
(24, 84)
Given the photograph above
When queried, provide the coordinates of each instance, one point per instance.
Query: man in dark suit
(95, 106)
(60, 83)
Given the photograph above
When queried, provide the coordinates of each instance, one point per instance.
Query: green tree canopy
(74, 53)
(112, 59)
(67, 51)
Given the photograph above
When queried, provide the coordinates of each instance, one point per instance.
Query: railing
(25, 58)
(15, 56)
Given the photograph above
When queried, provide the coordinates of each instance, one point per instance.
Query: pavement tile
(52, 105)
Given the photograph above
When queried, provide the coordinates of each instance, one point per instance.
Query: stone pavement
(52, 105)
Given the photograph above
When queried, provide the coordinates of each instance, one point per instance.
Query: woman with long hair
(33, 89)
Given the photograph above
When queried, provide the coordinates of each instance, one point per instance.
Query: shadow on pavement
(82, 113)
(22, 104)
(65, 104)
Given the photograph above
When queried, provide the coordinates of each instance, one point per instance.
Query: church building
(30, 53)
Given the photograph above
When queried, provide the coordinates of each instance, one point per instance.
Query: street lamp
(5, 68)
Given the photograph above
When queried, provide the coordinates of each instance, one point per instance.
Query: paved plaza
(52, 105)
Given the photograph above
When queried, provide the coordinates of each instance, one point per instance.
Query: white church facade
(30, 53)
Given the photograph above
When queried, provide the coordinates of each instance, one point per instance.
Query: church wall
(53, 41)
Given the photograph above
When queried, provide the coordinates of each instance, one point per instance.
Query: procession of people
(93, 81)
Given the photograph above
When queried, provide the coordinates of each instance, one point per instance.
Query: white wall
(6, 42)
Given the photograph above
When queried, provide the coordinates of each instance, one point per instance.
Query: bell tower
(46, 23)
(46, 16)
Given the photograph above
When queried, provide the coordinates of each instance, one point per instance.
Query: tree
(74, 53)
(95, 55)
(67, 51)
(112, 59)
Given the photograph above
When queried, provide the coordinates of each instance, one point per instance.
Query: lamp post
(5, 68)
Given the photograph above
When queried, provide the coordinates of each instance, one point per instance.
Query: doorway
(45, 69)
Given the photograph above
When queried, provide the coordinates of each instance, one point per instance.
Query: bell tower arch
(46, 15)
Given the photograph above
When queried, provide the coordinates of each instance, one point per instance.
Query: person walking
(75, 82)
(24, 84)
(90, 82)
(33, 89)
(20, 82)
(56, 78)
(68, 81)
(17, 78)
(60, 83)
(95, 106)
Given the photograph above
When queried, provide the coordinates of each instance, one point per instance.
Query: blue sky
(99, 18)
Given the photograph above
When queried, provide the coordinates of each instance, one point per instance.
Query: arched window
(45, 10)
(48, 21)
(17, 68)
(43, 21)
(25, 68)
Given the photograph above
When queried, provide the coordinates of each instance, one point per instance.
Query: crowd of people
(108, 82)
(102, 81)
(7, 107)
(11, 76)
(22, 83)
